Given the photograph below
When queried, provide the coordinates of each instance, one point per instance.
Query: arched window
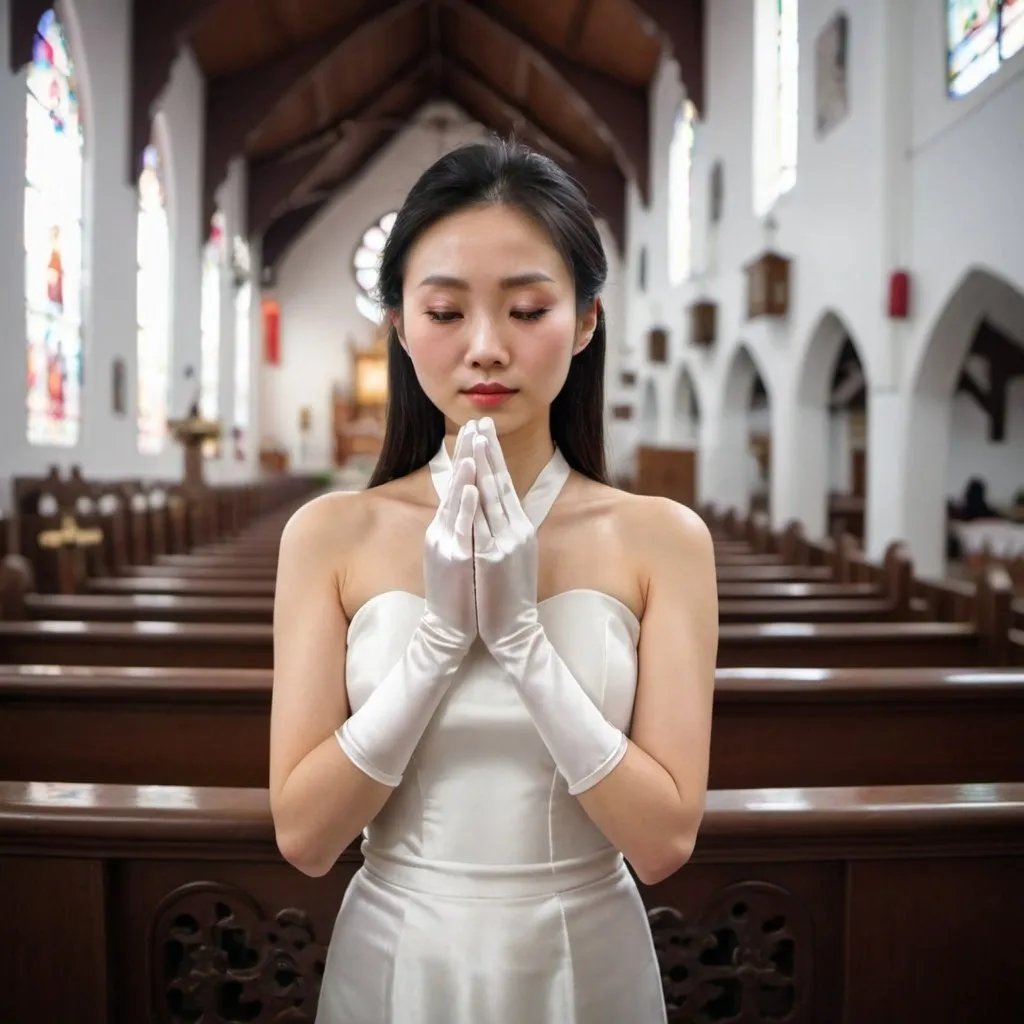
(981, 34)
(53, 240)
(209, 375)
(243, 344)
(680, 191)
(153, 344)
(366, 265)
(776, 100)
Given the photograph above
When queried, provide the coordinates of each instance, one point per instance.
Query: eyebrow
(517, 281)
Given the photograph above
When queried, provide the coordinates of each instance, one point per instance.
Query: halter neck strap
(538, 499)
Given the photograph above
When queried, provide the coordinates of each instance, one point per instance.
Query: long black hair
(510, 174)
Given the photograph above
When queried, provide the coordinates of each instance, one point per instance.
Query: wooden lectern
(192, 433)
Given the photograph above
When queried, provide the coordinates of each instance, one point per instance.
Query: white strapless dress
(487, 896)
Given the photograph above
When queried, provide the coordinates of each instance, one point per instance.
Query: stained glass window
(776, 100)
(243, 353)
(53, 240)
(680, 190)
(366, 265)
(981, 34)
(153, 305)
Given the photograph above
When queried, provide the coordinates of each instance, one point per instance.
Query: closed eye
(529, 314)
(442, 316)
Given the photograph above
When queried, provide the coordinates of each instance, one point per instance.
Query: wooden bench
(858, 906)
(145, 643)
(130, 523)
(771, 728)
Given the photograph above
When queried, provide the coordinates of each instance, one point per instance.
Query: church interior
(814, 340)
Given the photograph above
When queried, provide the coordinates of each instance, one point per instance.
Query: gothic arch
(648, 419)
(742, 375)
(980, 295)
(68, 15)
(161, 137)
(826, 446)
(686, 414)
(819, 362)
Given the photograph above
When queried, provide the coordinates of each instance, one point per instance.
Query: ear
(396, 321)
(586, 324)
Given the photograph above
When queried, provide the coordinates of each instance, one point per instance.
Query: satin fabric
(487, 896)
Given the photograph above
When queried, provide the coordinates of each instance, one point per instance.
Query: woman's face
(487, 300)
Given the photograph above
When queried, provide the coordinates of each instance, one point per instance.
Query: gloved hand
(381, 736)
(505, 554)
(584, 745)
(450, 597)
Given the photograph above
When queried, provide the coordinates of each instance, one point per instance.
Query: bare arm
(320, 801)
(651, 805)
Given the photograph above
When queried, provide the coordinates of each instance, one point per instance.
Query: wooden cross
(70, 535)
(69, 541)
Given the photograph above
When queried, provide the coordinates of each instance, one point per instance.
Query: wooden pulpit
(192, 434)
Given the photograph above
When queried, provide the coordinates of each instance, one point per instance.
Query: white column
(111, 227)
(888, 464)
(182, 105)
(799, 464)
(724, 461)
(15, 454)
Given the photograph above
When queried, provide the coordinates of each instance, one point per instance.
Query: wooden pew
(773, 645)
(185, 585)
(771, 728)
(887, 597)
(137, 522)
(131, 607)
(145, 643)
(249, 645)
(151, 903)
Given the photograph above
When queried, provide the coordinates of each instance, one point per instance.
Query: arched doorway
(647, 423)
(966, 417)
(685, 412)
(830, 432)
(745, 436)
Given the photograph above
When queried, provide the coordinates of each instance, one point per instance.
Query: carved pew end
(17, 580)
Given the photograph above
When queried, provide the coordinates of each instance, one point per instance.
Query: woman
(492, 663)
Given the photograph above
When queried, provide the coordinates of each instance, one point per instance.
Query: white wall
(316, 290)
(909, 179)
(99, 37)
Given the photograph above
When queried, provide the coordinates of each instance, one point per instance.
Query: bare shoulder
(658, 523)
(670, 547)
(321, 534)
(653, 529)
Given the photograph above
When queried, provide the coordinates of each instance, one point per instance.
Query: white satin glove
(584, 745)
(381, 737)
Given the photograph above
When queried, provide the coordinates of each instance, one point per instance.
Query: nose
(486, 347)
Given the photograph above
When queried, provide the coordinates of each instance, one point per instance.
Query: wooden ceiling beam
(681, 24)
(274, 180)
(22, 22)
(544, 136)
(991, 400)
(605, 186)
(578, 25)
(1005, 356)
(286, 229)
(159, 28)
(436, 60)
(280, 236)
(617, 112)
(236, 105)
